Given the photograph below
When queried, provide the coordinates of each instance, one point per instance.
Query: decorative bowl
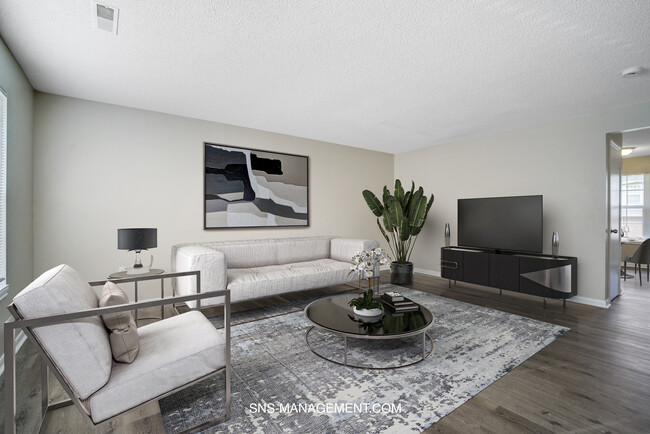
(368, 312)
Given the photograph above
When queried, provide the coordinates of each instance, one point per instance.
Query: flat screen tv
(501, 223)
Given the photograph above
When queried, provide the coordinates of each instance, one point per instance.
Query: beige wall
(564, 161)
(635, 165)
(20, 154)
(100, 167)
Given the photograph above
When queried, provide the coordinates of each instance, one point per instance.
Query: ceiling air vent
(104, 17)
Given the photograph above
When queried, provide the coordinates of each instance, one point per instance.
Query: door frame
(608, 289)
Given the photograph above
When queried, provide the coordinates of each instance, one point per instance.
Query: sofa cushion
(124, 332)
(79, 348)
(256, 282)
(274, 251)
(173, 352)
(292, 250)
(247, 253)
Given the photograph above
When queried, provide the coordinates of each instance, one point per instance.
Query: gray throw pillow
(124, 339)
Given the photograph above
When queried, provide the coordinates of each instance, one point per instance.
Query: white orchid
(366, 262)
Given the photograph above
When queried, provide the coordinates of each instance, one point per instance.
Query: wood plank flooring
(596, 378)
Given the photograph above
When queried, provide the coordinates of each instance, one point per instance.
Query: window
(3, 194)
(634, 204)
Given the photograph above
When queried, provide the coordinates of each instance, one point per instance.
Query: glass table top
(334, 313)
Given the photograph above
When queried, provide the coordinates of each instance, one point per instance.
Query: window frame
(4, 116)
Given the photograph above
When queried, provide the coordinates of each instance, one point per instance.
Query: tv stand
(536, 274)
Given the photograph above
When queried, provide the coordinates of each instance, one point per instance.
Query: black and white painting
(252, 188)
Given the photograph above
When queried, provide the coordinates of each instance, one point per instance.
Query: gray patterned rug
(278, 385)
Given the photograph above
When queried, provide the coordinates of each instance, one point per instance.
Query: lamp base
(138, 262)
(140, 270)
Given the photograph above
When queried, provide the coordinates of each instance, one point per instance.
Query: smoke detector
(631, 72)
(104, 17)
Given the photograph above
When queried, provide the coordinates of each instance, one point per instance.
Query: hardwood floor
(595, 378)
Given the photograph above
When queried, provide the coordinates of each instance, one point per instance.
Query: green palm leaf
(373, 203)
(394, 209)
(405, 230)
(418, 212)
(383, 232)
(399, 192)
(415, 199)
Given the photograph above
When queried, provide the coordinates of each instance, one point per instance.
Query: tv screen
(501, 223)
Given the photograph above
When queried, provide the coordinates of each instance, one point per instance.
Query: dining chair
(641, 256)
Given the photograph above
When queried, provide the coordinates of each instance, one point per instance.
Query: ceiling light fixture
(632, 71)
(627, 151)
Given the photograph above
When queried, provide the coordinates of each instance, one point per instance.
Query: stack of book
(396, 303)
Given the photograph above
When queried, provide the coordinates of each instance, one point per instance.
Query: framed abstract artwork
(246, 188)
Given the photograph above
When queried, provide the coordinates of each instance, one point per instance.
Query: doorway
(628, 210)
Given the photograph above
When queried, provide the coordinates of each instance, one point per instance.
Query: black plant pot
(401, 274)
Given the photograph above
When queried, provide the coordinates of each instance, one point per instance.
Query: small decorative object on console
(447, 235)
(555, 245)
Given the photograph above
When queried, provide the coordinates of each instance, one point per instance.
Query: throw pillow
(124, 339)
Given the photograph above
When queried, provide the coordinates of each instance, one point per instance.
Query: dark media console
(536, 274)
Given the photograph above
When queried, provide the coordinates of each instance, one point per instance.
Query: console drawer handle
(449, 264)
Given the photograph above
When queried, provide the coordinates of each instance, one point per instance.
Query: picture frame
(254, 188)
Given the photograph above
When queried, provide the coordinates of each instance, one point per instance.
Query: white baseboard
(425, 271)
(20, 340)
(577, 299)
(589, 301)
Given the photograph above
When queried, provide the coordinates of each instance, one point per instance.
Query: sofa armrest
(210, 262)
(342, 249)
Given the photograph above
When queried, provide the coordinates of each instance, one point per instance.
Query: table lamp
(137, 239)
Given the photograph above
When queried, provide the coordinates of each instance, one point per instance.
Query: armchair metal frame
(27, 325)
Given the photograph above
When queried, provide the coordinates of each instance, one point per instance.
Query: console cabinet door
(451, 265)
(504, 272)
(536, 283)
(476, 268)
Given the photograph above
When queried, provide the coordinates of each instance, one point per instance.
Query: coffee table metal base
(425, 335)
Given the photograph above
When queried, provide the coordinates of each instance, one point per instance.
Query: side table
(120, 275)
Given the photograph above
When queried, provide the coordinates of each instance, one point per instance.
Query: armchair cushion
(80, 348)
(124, 334)
(173, 352)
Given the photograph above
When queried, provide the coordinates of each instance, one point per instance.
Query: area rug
(279, 385)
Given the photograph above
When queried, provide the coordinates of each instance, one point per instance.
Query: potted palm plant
(403, 215)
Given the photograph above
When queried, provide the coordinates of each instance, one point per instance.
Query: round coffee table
(334, 315)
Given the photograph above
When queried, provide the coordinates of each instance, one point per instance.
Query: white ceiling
(386, 75)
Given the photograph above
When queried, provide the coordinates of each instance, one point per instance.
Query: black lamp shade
(137, 238)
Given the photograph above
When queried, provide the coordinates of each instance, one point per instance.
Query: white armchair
(59, 313)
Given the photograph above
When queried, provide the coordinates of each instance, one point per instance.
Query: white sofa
(261, 268)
